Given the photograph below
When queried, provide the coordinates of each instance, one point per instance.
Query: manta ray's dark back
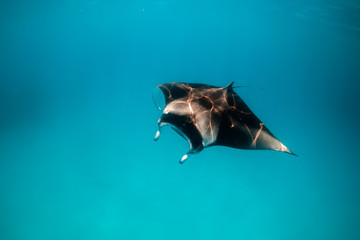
(206, 115)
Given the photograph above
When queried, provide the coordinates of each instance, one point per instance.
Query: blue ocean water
(77, 120)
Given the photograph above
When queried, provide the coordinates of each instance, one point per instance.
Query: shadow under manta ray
(206, 115)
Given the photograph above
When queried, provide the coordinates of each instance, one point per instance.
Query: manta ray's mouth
(194, 145)
(178, 131)
(184, 128)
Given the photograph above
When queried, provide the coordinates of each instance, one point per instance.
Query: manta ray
(206, 116)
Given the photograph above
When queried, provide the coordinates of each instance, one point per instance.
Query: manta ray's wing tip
(294, 154)
(283, 148)
(289, 152)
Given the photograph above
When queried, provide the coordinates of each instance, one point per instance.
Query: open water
(77, 120)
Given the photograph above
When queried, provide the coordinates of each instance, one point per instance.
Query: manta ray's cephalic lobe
(207, 115)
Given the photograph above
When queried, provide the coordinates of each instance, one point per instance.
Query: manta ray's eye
(159, 98)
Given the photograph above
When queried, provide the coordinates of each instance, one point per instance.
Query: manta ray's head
(179, 118)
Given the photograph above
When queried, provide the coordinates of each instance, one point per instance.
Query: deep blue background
(77, 156)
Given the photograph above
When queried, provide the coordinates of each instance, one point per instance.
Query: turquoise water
(77, 120)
